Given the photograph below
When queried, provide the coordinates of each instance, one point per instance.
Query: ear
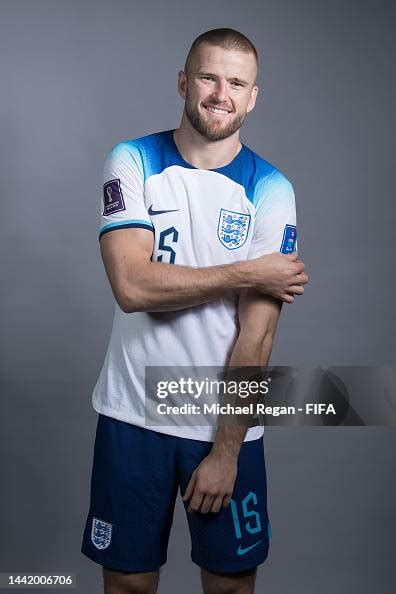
(181, 84)
(252, 98)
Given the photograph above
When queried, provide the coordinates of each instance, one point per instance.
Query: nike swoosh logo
(155, 212)
(242, 551)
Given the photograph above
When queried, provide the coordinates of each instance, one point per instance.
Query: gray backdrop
(78, 77)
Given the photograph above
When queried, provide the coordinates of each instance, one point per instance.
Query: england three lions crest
(233, 228)
(101, 533)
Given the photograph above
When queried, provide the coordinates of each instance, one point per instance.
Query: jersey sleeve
(122, 204)
(275, 219)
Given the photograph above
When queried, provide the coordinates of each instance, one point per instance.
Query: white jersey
(199, 218)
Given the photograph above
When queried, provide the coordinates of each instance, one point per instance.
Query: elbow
(125, 306)
(130, 300)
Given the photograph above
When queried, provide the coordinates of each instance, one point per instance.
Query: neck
(201, 152)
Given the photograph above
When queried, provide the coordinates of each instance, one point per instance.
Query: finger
(217, 503)
(196, 501)
(297, 289)
(226, 501)
(301, 279)
(299, 267)
(292, 256)
(190, 488)
(287, 298)
(206, 504)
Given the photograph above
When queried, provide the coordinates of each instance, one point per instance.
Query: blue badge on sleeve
(289, 239)
(113, 199)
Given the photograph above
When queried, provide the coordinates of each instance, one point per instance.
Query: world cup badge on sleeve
(101, 533)
(233, 228)
(113, 200)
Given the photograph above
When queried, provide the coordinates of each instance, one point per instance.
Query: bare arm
(212, 482)
(139, 284)
(259, 315)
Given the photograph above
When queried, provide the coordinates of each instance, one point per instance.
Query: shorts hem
(228, 567)
(127, 567)
(204, 434)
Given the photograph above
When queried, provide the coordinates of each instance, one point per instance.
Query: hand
(280, 275)
(211, 484)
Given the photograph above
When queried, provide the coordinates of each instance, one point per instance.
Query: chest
(200, 218)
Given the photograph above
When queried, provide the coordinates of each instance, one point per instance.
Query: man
(198, 241)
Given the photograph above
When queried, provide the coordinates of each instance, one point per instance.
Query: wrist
(225, 454)
(228, 442)
(242, 274)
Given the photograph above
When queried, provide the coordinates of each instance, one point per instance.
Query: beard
(211, 130)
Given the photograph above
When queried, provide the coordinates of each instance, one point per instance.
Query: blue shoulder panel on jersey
(159, 151)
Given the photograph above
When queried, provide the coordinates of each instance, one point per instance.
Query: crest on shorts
(233, 228)
(101, 533)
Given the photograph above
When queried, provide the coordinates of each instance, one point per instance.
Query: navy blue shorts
(135, 478)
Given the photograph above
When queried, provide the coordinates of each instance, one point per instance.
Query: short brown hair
(225, 38)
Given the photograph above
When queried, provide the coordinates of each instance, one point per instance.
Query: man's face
(219, 90)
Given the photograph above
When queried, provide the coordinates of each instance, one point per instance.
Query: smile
(216, 110)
